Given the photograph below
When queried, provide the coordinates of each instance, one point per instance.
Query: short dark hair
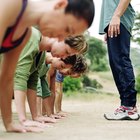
(80, 65)
(70, 60)
(82, 9)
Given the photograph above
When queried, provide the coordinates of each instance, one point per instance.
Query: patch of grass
(106, 75)
(90, 96)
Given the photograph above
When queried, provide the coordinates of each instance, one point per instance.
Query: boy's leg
(32, 98)
(39, 106)
(39, 98)
(47, 105)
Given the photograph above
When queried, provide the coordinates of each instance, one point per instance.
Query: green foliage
(136, 29)
(87, 82)
(71, 93)
(97, 55)
(135, 53)
(138, 82)
(102, 66)
(71, 84)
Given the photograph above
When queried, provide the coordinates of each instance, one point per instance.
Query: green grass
(106, 75)
(89, 96)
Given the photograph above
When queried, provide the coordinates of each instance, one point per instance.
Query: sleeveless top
(59, 77)
(7, 43)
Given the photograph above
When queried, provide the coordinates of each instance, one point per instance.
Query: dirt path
(85, 122)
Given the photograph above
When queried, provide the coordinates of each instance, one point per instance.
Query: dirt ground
(85, 122)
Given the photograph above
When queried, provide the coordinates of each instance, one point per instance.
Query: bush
(138, 83)
(71, 84)
(87, 82)
(102, 66)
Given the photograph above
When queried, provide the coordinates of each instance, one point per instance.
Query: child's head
(66, 63)
(71, 46)
(79, 67)
(78, 43)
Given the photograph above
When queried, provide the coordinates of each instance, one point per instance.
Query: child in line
(29, 64)
(75, 72)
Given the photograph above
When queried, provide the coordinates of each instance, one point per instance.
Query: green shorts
(43, 88)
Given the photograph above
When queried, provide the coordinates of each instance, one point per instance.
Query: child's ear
(61, 4)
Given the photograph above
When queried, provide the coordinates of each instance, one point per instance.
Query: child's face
(68, 71)
(62, 50)
(57, 63)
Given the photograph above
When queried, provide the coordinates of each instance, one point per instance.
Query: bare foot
(41, 122)
(34, 129)
(16, 128)
(47, 119)
(62, 114)
(30, 123)
(55, 116)
(22, 129)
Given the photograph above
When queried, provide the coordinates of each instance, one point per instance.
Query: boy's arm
(51, 78)
(51, 82)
